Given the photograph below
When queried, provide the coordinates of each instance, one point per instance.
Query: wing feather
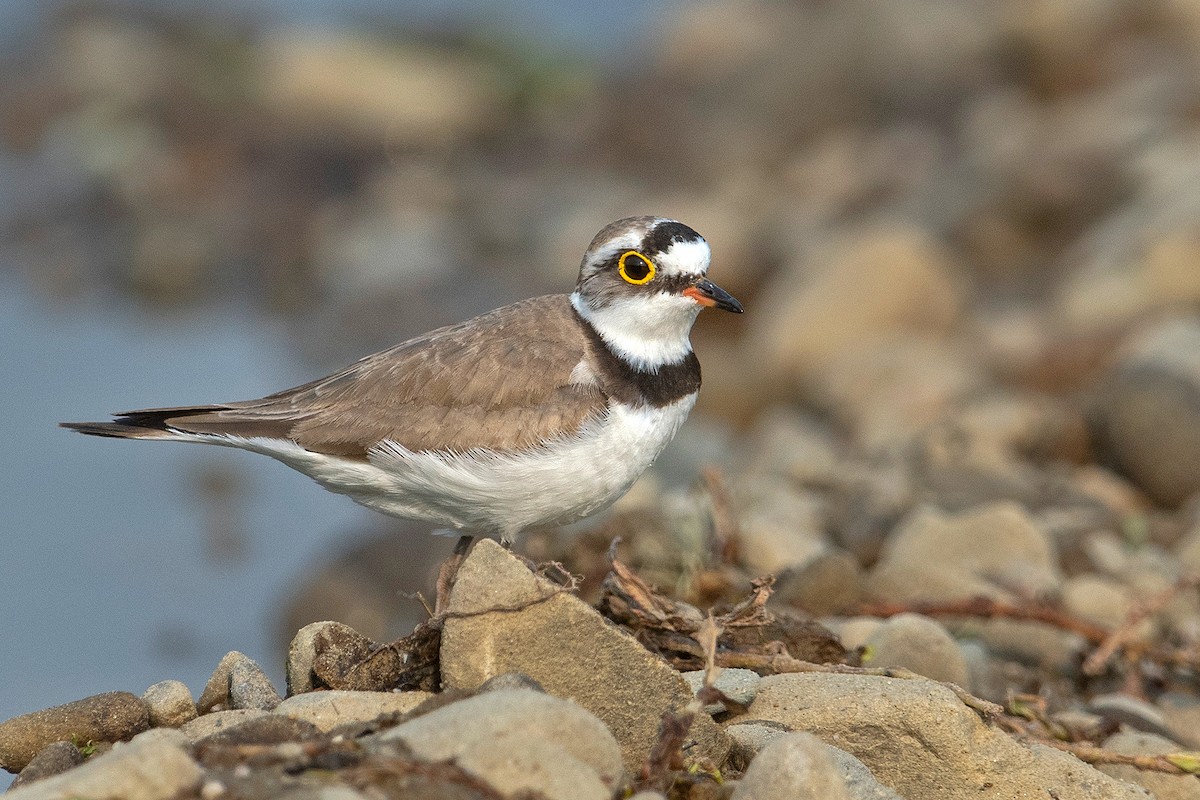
(502, 381)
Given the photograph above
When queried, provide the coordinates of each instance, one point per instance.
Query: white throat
(647, 332)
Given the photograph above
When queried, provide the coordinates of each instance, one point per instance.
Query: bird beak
(709, 295)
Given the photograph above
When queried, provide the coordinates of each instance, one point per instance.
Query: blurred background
(965, 233)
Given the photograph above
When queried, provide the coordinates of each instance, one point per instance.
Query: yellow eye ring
(623, 268)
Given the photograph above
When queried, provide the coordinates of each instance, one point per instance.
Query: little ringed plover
(541, 412)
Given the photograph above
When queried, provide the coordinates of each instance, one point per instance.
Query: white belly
(497, 493)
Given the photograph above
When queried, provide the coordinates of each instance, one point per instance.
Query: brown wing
(500, 381)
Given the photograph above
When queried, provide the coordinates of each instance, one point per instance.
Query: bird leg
(448, 571)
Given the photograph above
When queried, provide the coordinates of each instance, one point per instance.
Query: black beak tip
(721, 298)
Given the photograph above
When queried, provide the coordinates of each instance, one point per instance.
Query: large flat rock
(503, 618)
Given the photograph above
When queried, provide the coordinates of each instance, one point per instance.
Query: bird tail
(151, 423)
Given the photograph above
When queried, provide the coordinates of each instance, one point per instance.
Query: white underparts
(490, 492)
(646, 331)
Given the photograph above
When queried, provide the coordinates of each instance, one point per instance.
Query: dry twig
(1124, 635)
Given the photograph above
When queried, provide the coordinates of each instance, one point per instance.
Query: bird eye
(635, 268)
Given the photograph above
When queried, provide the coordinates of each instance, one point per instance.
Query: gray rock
(108, 717)
(866, 286)
(331, 708)
(914, 382)
(994, 551)
(301, 653)
(237, 682)
(1137, 714)
(51, 760)
(265, 729)
(171, 736)
(1030, 643)
(249, 687)
(918, 738)
(1148, 412)
(780, 527)
(1164, 787)
(1181, 713)
(829, 584)
(322, 640)
(919, 644)
(217, 721)
(855, 631)
(751, 737)
(795, 765)
(503, 618)
(789, 444)
(142, 770)
(518, 739)
(321, 82)
(739, 685)
(170, 704)
(1101, 601)
(987, 677)
(860, 782)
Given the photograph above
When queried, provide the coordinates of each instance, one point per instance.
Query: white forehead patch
(685, 258)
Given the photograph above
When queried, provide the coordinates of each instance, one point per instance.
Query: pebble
(860, 783)
(860, 287)
(518, 739)
(330, 708)
(249, 687)
(1181, 713)
(919, 644)
(1148, 410)
(779, 527)
(107, 717)
(831, 583)
(351, 85)
(751, 737)
(994, 550)
(855, 631)
(51, 760)
(1101, 601)
(1137, 714)
(265, 728)
(794, 765)
(170, 704)
(503, 618)
(785, 443)
(238, 683)
(1030, 643)
(321, 640)
(889, 393)
(917, 737)
(216, 721)
(141, 770)
(738, 685)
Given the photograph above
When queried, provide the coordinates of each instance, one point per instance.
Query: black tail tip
(113, 429)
